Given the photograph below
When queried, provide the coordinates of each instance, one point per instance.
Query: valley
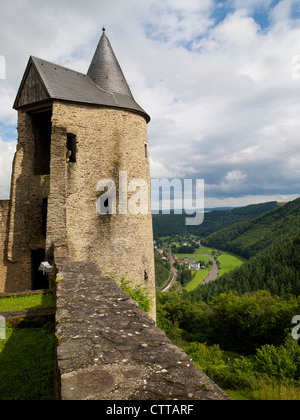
(236, 292)
(201, 266)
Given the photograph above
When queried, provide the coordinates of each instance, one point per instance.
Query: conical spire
(105, 71)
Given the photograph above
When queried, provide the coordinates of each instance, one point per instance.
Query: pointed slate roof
(44, 81)
(105, 70)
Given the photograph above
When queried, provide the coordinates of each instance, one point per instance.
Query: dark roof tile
(65, 84)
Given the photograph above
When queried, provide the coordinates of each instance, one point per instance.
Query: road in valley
(173, 274)
(213, 272)
(211, 276)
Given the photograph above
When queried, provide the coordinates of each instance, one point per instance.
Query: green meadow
(200, 254)
(27, 353)
(21, 303)
(197, 280)
(229, 262)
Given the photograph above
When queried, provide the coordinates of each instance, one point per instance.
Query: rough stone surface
(4, 210)
(108, 142)
(24, 216)
(109, 349)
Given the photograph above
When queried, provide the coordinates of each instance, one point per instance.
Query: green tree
(282, 362)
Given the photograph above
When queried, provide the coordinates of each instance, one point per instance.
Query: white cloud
(178, 22)
(158, 170)
(224, 104)
(7, 151)
(7, 114)
(235, 176)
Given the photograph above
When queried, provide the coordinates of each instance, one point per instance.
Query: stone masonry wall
(4, 209)
(107, 141)
(25, 217)
(109, 349)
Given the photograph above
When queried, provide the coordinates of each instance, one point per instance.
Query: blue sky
(219, 79)
(7, 132)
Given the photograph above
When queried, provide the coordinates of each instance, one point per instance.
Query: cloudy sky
(220, 79)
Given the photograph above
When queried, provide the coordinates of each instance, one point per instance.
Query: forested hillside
(172, 224)
(236, 323)
(168, 225)
(249, 237)
(276, 269)
(238, 329)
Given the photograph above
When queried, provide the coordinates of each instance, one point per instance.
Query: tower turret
(105, 70)
(76, 131)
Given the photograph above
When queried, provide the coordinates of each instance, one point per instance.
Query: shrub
(139, 293)
(204, 355)
(281, 362)
(226, 378)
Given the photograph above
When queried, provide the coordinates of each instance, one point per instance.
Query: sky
(219, 78)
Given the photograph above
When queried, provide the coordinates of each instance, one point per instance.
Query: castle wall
(107, 141)
(109, 349)
(4, 209)
(24, 232)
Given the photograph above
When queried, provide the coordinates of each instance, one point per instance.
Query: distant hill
(168, 225)
(276, 269)
(248, 237)
(215, 220)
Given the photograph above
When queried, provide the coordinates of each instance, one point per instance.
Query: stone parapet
(109, 349)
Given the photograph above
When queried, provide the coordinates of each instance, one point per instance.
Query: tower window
(145, 275)
(41, 125)
(146, 150)
(71, 146)
(44, 215)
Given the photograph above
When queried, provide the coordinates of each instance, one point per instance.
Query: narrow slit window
(71, 146)
(146, 150)
(44, 216)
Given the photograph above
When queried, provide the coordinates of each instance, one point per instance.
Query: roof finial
(103, 29)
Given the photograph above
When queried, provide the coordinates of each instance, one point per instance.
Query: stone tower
(74, 132)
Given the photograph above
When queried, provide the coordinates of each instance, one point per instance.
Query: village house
(195, 266)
